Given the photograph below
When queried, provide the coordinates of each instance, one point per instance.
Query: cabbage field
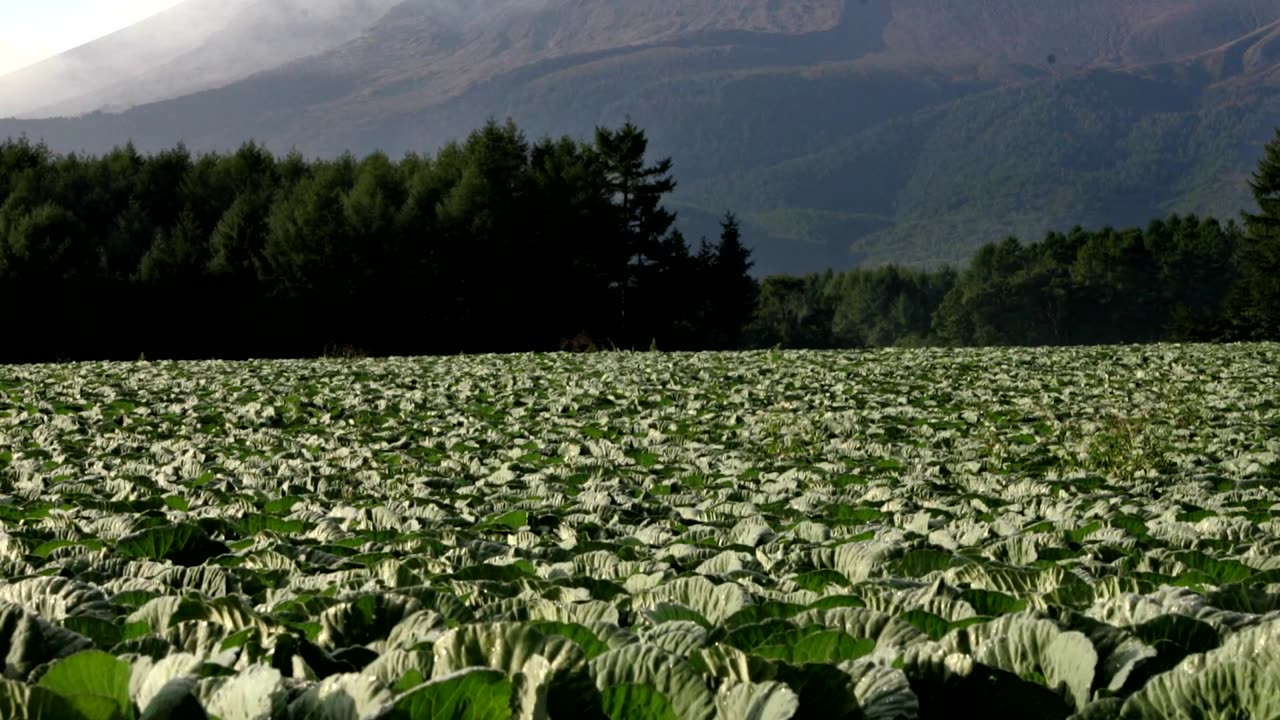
(1006, 533)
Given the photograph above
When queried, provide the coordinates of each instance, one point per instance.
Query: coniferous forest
(498, 243)
(493, 244)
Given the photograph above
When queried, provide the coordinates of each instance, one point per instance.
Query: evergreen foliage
(499, 244)
(495, 244)
(1255, 303)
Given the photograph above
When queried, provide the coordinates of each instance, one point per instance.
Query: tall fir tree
(735, 292)
(1255, 304)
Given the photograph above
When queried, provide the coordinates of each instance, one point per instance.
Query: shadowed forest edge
(500, 244)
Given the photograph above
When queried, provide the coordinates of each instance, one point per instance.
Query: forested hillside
(844, 133)
(1181, 278)
(1102, 148)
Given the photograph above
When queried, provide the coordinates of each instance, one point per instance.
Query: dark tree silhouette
(497, 244)
(1255, 304)
(492, 244)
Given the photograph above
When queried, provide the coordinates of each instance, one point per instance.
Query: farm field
(1006, 533)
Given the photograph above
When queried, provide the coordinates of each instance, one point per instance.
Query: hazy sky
(31, 30)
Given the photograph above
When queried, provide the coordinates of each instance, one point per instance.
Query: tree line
(496, 243)
(1169, 281)
(492, 244)
(1182, 279)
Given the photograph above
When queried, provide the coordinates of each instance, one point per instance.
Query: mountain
(196, 45)
(841, 131)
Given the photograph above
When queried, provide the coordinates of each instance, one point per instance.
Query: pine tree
(642, 227)
(736, 291)
(1255, 305)
(637, 190)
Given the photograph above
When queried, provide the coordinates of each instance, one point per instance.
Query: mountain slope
(859, 131)
(196, 45)
(1096, 149)
(1078, 33)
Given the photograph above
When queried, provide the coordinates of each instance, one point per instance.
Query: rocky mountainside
(842, 131)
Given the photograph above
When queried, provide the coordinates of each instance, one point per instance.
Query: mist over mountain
(842, 132)
(196, 45)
